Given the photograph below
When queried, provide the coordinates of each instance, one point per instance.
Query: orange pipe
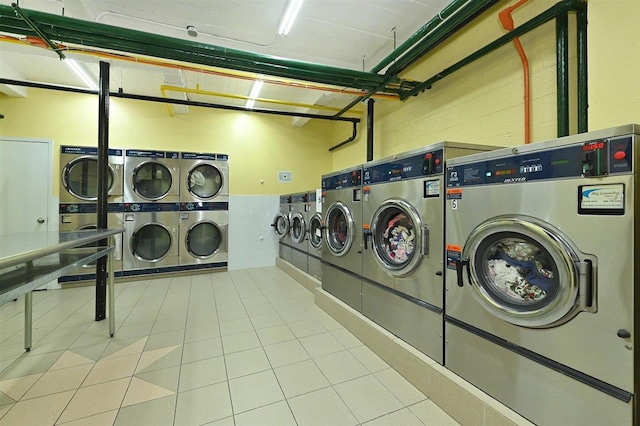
(507, 23)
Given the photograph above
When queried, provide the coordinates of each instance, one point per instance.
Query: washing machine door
(151, 180)
(398, 237)
(315, 231)
(151, 242)
(204, 181)
(204, 239)
(298, 228)
(281, 225)
(339, 229)
(526, 272)
(80, 178)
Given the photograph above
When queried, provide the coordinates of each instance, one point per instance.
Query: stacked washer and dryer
(151, 212)
(403, 231)
(204, 210)
(79, 195)
(542, 277)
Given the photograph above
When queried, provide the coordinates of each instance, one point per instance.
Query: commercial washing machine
(205, 177)
(541, 276)
(403, 227)
(203, 235)
(151, 232)
(83, 216)
(314, 235)
(299, 218)
(281, 226)
(79, 174)
(342, 249)
(151, 176)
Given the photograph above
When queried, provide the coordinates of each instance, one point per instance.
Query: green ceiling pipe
(583, 99)
(546, 16)
(562, 73)
(32, 25)
(440, 34)
(451, 9)
(85, 33)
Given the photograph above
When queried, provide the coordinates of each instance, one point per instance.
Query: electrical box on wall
(285, 177)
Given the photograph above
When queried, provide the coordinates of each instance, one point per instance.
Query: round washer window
(151, 242)
(395, 237)
(152, 180)
(81, 178)
(516, 271)
(203, 239)
(204, 181)
(315, 231)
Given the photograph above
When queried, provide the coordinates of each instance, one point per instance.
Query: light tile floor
(245, 347)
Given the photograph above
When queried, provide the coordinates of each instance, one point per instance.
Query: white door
(25, 188)
(25, 185)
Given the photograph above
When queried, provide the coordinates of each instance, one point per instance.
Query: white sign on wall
(285, 177)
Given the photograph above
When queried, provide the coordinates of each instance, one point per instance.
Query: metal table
(30, 260)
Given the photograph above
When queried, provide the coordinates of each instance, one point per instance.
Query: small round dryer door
(315, 231)
(524, 271)
(396, 231)
(204, 181)
(151, 242)
(203, 240)
(80, 178)
(298, 228)
(152, 180)
(281, 225)
(340, 229)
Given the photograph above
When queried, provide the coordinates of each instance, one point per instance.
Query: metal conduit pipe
(123, 95)
(447, 28)
(84, 33)
(562, 73)
(583, 102)
(546, 16)
(450, 10)
(370, 105)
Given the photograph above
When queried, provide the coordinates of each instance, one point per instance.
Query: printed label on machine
(453, 253)
(431, 188)
(608, 197)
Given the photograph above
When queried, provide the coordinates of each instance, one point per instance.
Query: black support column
(103, 165)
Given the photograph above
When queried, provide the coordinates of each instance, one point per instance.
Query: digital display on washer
(594, 158)
(416, 166)
(344, 180)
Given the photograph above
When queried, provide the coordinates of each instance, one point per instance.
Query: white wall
(252, 242)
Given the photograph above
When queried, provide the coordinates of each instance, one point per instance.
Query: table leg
(28, 320)
(112, 308)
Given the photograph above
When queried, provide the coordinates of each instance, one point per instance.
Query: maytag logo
(515, 179)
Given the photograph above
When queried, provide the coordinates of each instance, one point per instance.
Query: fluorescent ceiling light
(289, 16)
(255, 91)
(81, 72)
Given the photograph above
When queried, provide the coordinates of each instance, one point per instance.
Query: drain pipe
(370, 104)
(351, 139)
(507, 23)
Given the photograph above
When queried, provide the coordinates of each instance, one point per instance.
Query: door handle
(425, 241)
(460, 264)
(40, 220)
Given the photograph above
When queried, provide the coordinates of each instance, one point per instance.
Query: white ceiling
(351, 34)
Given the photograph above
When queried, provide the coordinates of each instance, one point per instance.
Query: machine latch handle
(365, 237)
(425, 241)
(460, 264)
(623, 334)
(585, 286)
